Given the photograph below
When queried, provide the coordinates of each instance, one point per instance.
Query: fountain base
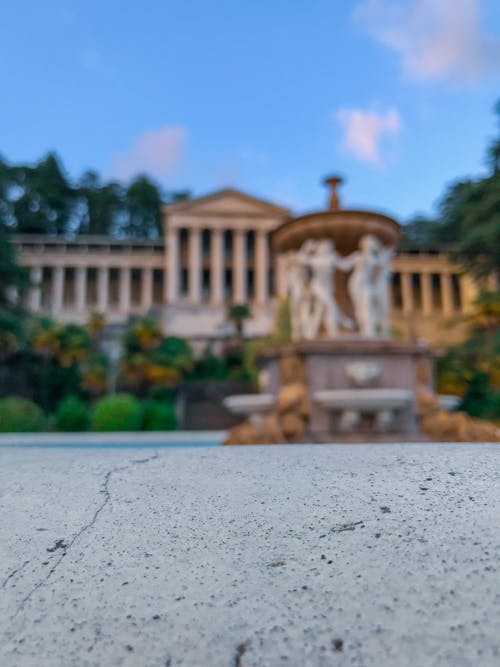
(359, 389)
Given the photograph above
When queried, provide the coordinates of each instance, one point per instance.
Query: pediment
(228, 202)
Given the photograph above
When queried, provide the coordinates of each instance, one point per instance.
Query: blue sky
(264, 95)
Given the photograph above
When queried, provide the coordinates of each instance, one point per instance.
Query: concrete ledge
(126, 438)
(255, 556)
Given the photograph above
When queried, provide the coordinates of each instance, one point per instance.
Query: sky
(268, 96)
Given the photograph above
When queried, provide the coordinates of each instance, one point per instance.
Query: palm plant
(238, 313)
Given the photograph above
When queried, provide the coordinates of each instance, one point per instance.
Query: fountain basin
(344, 227)
(364, 400)
(249, 405)
(449, 402)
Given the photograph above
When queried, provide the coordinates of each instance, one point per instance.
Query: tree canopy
(468, 220)
(42, 199)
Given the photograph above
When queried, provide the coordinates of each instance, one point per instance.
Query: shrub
(19, 415)
(119, 412)
(72, 415)
(159, 416)
(210, 367)
(480, 399)
(163, 394)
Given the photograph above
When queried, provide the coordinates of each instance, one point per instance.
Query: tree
(418, 234)
(494, 149)
(14, 278)
(472, 368)
(100, 205)
(238, 313)
(469, 220)
(470, 224)
(143, 209)
(46, 200)
(150, 361)
(6, 184)
(60, 351)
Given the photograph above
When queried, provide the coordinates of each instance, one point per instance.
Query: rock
(288, 422)
(293, 398)
(451, 426)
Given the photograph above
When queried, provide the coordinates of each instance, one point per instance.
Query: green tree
(418, 234)
(143, 209)
(237, 313)
(14, 278)
(149, 360)
(472, 368)
(100, 206)
(494, 149)
(46, 199)
(469, 221)
(7, 182)
(175, 352)
(60, 352)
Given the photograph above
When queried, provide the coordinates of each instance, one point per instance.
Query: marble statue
(311, 291)
(381, 290)
(311, 288)
(297, 296)
(368, 285)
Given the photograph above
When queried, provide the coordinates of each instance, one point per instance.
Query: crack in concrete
(13, 573)
(65, 547)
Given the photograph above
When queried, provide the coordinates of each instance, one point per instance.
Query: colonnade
(441, 290)
(81, 303)
(237, 262)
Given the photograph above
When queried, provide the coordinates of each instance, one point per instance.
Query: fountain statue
(356, 383)
(313, 306)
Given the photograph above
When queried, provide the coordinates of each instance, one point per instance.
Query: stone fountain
(358, 383)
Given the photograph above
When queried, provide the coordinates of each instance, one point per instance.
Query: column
(57, 289)
(146, 289)
(239, 267)
(261, 268)
(172, 267)
(468, 292)
(446, 294)
(281, 281)
(35, 296)
(124, 296)
(80, 288)
(406, 293)
(217, 266)
(427, 301)
(102, 289)
(194, 266)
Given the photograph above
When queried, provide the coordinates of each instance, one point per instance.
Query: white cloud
(436, 39)
(156, 152)
(364, 130)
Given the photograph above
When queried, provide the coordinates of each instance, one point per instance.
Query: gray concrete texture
(366, 555)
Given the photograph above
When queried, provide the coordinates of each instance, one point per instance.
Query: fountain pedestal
(358, 388)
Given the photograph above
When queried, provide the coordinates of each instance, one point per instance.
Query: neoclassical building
(218, 250)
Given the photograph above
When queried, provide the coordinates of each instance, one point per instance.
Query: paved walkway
(381, 555)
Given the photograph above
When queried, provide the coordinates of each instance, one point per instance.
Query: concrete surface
(101, 438)
(381, 555)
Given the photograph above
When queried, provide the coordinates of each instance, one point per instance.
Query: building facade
(218, 250)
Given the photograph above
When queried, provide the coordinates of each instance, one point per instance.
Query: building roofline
(97, 239)
(188, 204)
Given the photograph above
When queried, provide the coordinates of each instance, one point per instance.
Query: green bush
(210, 367)
(119, 412)
(480, 399)
(19, 415)
(159, 416)
(72, 415)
